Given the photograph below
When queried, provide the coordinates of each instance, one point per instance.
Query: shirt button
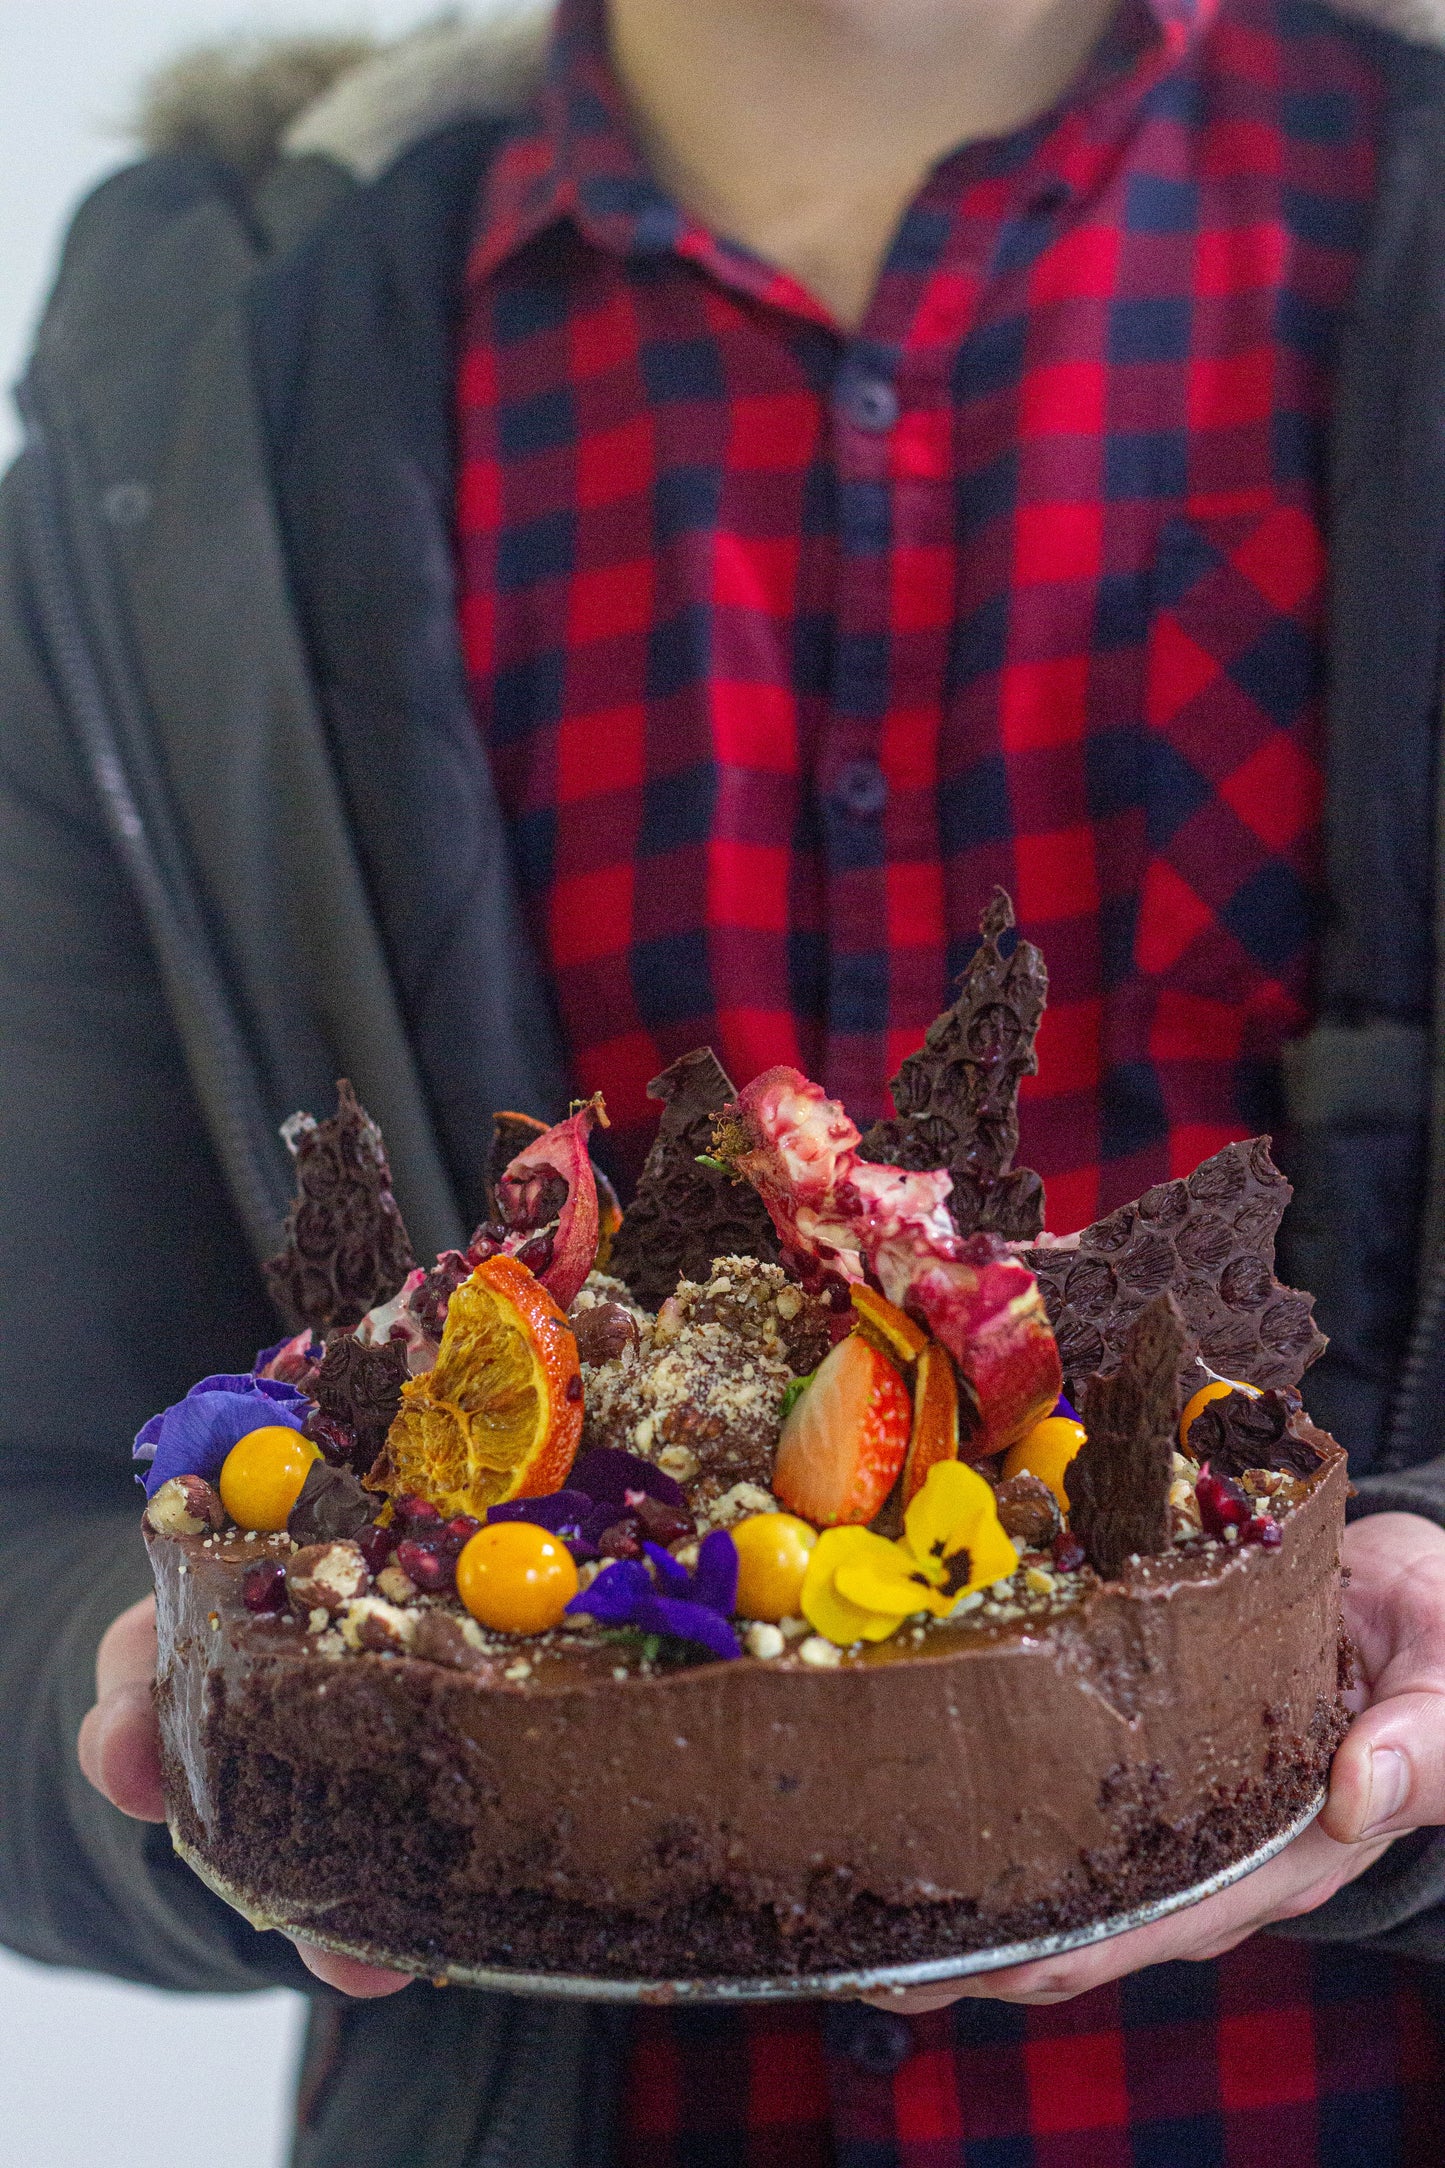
(861, 789)
(869, 402)
(878, 2041)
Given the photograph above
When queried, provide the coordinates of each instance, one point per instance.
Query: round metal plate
(790, 1987)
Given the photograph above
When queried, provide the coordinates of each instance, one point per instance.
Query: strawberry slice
(845, 1439)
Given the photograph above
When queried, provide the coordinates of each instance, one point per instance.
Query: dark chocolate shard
(1240, 1430)
(332, 1507)
(957, 1097)
(346, 1246)
(684, 1215)
(1210, 1241)
(361, 1386)
(1118, 1482)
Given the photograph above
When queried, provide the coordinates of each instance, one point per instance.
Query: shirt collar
(574, 156)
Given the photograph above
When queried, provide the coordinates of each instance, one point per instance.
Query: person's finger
(349, 1974)
(1389, 1774)
(120, 1751)
(127, 1649)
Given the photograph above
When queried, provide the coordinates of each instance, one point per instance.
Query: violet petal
(616, 1594)
(674, 1578)
(688, 1622)
(562, 1509)
(715, 1582)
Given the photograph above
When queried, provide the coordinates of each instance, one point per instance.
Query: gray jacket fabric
(249, 842)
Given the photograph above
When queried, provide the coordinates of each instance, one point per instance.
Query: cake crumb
(522, 1669)
(619, 1671)
(1039, 1582)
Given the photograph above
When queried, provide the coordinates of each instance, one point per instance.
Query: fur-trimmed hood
(360, 103)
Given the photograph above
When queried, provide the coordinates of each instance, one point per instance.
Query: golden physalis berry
(1214, 1390)
(516, 1578)
(500, 1415)
(1045, 1451)
(262, 1475)
(773, 1552)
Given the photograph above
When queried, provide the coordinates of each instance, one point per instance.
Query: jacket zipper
(244, 1133)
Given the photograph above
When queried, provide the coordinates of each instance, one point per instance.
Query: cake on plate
(814, 1572)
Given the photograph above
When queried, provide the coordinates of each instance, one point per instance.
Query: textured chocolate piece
(331, 1507)
(1240, 1431)
(361, 1386)
(346, 1246)
(1210, 1241)
(957, 1097)
(1118, 1482)
(684, 1215)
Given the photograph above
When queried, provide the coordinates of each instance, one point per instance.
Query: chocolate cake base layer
(987, 1785)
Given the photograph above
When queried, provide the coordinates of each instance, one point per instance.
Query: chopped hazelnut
(678, 1461)
(394, 1585)
(820, 1653)
(763, 1641)
(324, 1576)
(369, 1623)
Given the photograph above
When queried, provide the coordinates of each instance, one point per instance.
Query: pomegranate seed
(663, 1524)
(376, 1546)
(336, 1439)
(263, 1586)
(1222, 1504)
(414, 1512)
(1069, 1553)
(536, 1254)
(426, 1567)
(620, 1540)
(1264, 1529)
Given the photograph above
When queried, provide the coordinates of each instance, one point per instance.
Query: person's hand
(1388, 1777)
(120, 1752)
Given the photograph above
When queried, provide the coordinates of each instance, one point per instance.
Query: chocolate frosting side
(1209, 1241)
(684, 1215)
(979, 1779)
(956, 1099)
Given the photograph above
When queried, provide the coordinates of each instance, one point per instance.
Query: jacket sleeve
(124, 1276)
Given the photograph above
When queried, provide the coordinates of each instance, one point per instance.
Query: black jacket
(249, 842)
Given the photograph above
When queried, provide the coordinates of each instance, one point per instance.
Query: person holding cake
(610, 533)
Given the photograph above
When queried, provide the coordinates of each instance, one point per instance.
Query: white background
(94, 2074)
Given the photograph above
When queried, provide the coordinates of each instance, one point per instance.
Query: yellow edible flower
(860, 1587)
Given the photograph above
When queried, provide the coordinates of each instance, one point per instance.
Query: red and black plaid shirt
(787, 644)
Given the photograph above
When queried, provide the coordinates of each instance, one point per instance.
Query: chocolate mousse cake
(824, 1573)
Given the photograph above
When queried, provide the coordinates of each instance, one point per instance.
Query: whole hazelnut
(186, 1506)
(324, 1576)
(1029, 1511)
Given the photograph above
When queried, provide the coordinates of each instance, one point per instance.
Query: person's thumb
(1389, 1774)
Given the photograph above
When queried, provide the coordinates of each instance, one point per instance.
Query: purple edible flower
(1066, 1407)
(194, 1436)
(290, 1358)
(669, 1600)
(602, 1486)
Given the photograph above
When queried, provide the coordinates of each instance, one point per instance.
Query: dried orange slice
(935, 1417)
(891, 1330)
(500, 1415)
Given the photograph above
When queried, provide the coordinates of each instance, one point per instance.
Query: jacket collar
(492, 63)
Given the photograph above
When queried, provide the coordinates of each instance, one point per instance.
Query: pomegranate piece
(1222, 1504)
(853, 1218)
(263, 1586)
(1069, 1553)
(375, 1545)
(547, 1206)
(1263, 1529)
(430, 1569)
(845, 1438)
